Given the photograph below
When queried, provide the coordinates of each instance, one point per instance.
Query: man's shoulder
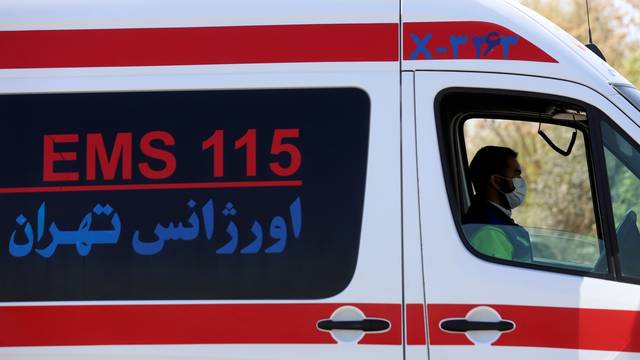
(483, 212)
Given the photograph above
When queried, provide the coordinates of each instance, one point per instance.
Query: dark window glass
(253, 194)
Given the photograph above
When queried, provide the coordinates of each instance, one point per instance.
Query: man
(497, 179)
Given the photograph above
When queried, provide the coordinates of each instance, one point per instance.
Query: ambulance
(256, 179)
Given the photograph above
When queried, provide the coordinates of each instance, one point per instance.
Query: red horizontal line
(199, 45)
(549, 327)
(172, 186)
(441, 33)
(81, 325)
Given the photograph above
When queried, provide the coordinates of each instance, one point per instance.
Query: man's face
(512, 170)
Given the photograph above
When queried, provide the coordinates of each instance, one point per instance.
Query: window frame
(599, 150)
(451, 136)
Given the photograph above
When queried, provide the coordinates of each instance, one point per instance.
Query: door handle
(366, 325)
(463, 325)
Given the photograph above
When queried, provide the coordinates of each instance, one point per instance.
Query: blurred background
(615, 27)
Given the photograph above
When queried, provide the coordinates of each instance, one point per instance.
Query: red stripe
(173, 186)
(441, 33)
(416, 330)
(551, 327)
(182, 324)
(199, 45)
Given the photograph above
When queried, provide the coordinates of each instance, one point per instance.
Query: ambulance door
(260, 222)
(566, 285)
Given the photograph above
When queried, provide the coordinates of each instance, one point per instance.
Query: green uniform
(492, 241)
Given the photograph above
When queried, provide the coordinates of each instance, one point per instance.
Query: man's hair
(490, 160)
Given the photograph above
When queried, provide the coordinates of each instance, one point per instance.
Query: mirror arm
(554, 146)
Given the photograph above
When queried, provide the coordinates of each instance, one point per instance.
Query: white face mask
(516, 197)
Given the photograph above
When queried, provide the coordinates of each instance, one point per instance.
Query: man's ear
(494, 182)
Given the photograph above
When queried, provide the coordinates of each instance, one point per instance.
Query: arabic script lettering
(201, 224)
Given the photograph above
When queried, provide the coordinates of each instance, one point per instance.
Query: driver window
(519, 180)
(623, 171)
(554, 221)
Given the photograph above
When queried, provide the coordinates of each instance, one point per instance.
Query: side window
(168, 195)
(623, 172)
(522, 180)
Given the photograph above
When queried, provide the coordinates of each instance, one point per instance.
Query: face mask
(516, 197)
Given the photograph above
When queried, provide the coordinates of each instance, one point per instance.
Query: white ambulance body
(285, 180)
